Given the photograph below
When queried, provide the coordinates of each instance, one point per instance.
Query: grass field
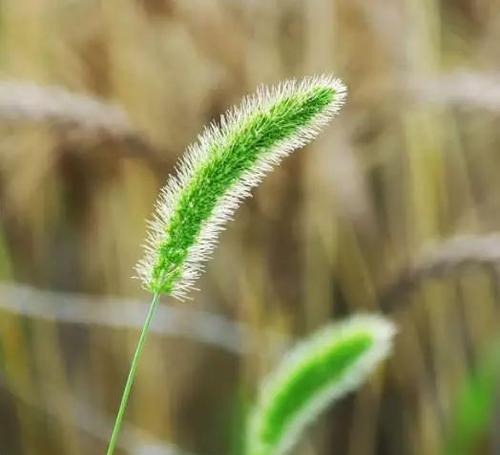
(395, 208)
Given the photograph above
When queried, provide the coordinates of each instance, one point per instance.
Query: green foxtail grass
(220, 169)
(217, 172)
(332, 362)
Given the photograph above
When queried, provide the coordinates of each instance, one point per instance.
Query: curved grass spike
(220, 169)
(332, 362)
(214, 176)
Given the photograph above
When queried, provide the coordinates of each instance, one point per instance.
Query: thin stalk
(131, 375)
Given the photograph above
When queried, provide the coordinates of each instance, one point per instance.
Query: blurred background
(395, 208)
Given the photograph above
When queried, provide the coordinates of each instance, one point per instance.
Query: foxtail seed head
(318, 371)
(221, 168)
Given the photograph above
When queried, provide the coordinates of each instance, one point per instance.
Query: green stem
(131, 375)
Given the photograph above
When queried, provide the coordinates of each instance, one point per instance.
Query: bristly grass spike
(220, 169)
(318, 371)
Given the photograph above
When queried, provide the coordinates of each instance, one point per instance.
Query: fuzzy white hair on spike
(276, 388)
(216, 139)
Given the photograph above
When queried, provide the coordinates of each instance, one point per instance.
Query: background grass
(412, 161)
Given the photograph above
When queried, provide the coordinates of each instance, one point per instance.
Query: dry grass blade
(82, 118)
(171, 321)
(440, 260)
(461, 88)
